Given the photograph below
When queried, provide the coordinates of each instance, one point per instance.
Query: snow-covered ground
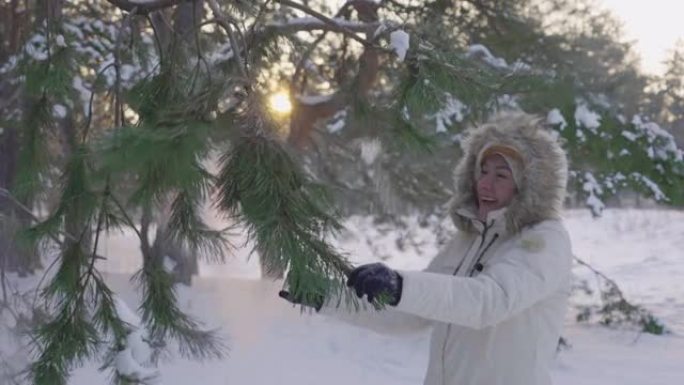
(273, 342)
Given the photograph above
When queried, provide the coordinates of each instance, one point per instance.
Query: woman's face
(495, 188)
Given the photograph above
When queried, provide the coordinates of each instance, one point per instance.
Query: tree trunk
(49, 10)
(13, 257)
(15, 26)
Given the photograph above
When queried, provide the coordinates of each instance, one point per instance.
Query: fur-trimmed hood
(543, 184)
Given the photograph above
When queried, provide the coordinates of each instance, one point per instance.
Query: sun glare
(280, 103)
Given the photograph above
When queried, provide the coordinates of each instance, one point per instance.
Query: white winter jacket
(496, 295)
(499, 326)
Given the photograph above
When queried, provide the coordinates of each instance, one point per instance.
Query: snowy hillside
(272, 342)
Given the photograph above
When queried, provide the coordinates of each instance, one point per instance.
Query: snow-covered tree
(669, 92)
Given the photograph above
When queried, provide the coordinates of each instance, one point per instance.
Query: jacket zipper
(479, 257)
(446, 335)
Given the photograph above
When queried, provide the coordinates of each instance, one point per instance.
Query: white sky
(654, 25)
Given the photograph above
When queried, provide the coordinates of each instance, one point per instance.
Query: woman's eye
(502, 176)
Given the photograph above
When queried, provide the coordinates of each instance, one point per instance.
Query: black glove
(375, 280)
(315, 301)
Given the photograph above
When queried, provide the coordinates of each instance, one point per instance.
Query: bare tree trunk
(13, 257)
(49, 9)
(16, 22)
(8, 141)
(186, 20)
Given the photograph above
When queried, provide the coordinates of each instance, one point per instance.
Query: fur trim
(545, 170)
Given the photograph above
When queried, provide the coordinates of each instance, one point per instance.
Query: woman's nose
(486, 182)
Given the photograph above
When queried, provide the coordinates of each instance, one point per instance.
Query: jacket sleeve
(389, 320)
(385, 321)
(536, 266)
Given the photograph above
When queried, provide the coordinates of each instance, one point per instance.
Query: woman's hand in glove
(375, 280)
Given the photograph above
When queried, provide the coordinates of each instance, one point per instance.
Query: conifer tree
(669, 94)
(125, 102)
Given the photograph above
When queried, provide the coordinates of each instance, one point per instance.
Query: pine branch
(143, 7)
(70, 337)
(63, 342)
(600, 274)
(105, 317)
(306, 115)
(261, 186)
(164, 154)
(54, 235)
(291, 26)
(305, 56)
(33, 151)
(325, 19)
(616, 309)
(223, 22)
(129, 221)
(187, 228)
(164, 318)
(89, 118)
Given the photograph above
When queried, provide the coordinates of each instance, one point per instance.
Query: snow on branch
(452, 111)
(133, 359)
(586, 117)
(370, 148)
(142, 7)
(479, 51)
(556, 118)
(651, 186)
(484, 54)
(313, 99)
(313, 24)
(399, 40)
(325, 19)
(228, 25)
(662, 144)
(222, 53)
(593, 190)
(337, 122)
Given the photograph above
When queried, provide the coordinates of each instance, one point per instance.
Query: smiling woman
(495, 184)
(496, 295)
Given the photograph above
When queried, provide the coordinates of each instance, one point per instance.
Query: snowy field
(272, 342)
